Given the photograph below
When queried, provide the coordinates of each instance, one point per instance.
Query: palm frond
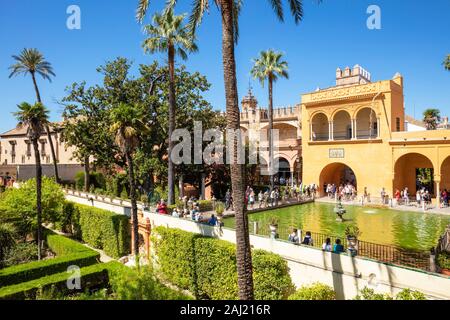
(141, 10)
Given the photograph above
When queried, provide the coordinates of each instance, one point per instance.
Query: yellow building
(355, 131)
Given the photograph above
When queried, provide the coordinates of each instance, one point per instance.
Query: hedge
(92, 276)
(69, 252)
(104, 230)
(207, 266)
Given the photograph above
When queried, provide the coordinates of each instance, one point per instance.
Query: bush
(68, 252)
(21, 253)
(18, 205)
(207, 266)
(316, 291)
(443, 260)
(96, 179)
(92, 276)
(104, 230)
(405, 294)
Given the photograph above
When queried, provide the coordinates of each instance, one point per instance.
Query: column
(292, 178)
(438, 194)
(330, 131)
(181, 186)
(311, 131)
(378, 127)
(202, 195)
(353, 129)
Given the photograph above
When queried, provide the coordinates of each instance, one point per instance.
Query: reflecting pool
(409, 230)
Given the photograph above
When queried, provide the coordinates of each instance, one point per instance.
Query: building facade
(355, 132)
(17, 159)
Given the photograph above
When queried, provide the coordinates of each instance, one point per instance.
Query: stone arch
(319, 127)
(342, 125)
(284, 169)
(366, 123)
(336, 173)
(445, 174)
(414, 171)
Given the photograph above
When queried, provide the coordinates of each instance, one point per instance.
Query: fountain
(339, 210)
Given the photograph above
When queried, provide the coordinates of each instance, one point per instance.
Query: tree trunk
(87, 178)
(243, 251)
(134, 213)
(172, 107)
(271, 166)
(37, 157)
(47, 129)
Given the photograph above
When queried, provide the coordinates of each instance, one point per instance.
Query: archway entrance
(337, 174)
(445, 174)
(283, 175)
(414, 171)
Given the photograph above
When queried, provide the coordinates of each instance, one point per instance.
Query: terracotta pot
(445, 271)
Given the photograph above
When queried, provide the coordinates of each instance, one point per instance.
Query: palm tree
(230, 10)
(446, 63)
(33, 62)
(126, 126)
(431, 117)
(35, 119)
(270, 66)
(7, 240)
(168, 34)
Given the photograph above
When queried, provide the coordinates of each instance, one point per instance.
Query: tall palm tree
(31, 61)
(431, 117)
(126, 127)
(230, 10)
(35, 119)
(269, 66)
(168, 34)
(446, 63)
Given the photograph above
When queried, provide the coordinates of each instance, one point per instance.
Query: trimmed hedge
(68, 252)
(207, 266)
(104, 230)
(91, 277)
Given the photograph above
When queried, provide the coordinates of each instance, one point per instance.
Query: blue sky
(414, 40)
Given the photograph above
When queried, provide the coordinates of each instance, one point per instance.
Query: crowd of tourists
(345, 191)
(308, 240)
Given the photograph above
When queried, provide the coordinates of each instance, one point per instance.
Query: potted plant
(443, 261)
(352, 233)
(220, 209)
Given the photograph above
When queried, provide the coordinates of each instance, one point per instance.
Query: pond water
(409, 230)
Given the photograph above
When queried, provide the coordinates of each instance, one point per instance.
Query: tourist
(175, 213)
(406, 196)
(212, 221)
(194, 212)
(326, 246)
(383, 196)
(397, 196)
(272, 197)
(338, 247)
(162, 207)
(260, 199)
(251, 199)
(418, 198)
(293, 237)
(308, 240)
(228, 199)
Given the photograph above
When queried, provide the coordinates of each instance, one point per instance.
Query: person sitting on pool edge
(308, 240)
(293, 237)
(338, 247)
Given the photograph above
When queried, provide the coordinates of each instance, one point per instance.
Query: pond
(408, 230)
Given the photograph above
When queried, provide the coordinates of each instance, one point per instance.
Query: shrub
(207, 266)
(443, 260)
(104, 230)
(91, 276)
(69, 253)
(96, 179)
(21, 253)
(316, 291)
(405, 294)
(18, 205)
(205, 205)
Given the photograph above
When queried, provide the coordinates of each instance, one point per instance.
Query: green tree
(431, 117)
(7, 241)
(126, 127)
(168, 34)
(446, 63)
(31, 61)
(229, 10)
(270, 66)
(35, 119)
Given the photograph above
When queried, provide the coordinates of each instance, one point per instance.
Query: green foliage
(316, 291)
(406, 294)
(207, 266)
(104, 230)
(7, 240)
(18, 205)
(68, 253)
(96, 179)
(133, 284)
(443, 260)
(22, 252)
(220, 208)
(91, 276)
(352, 230)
